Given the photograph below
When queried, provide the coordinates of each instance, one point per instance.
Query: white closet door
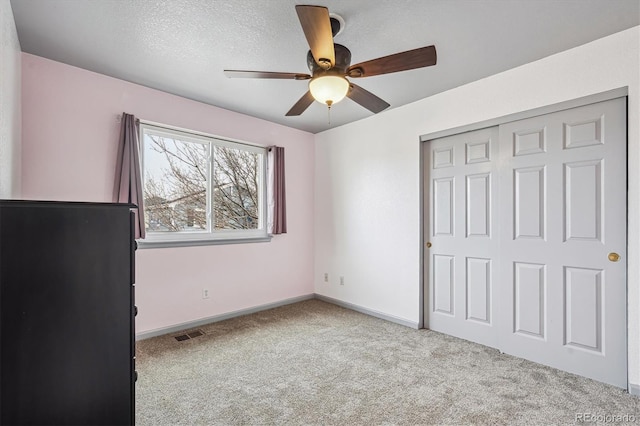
(563, 215)
(527, 226)
(461, 264)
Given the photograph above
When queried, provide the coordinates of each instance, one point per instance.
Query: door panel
(478, 289)
(443, 279)
(530, 303)
(583, 200)
(527, 223)
(461, 270)
(443, 206)
(569, 198)
(583, 308)
(478, 199)
(529, 204)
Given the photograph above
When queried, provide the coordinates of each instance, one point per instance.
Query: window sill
(193, 243)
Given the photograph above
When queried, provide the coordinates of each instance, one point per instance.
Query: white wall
(367, 200)
(10, 110)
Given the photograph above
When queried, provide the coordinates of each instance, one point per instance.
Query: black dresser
(67, 341)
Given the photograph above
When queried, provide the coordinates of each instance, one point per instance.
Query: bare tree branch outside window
(176, 189)
(235, 194)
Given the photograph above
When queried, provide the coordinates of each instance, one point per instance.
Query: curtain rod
(119, 119)
(195, 132)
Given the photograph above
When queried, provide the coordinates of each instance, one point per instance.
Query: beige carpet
(314, 363)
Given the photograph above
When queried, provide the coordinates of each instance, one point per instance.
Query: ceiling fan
(329, 64)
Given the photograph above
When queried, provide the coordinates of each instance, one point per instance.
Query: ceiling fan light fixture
(329, 89)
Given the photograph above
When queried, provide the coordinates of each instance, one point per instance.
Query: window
(200, 189)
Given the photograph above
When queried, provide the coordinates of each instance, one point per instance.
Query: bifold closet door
(563, 245)
(462, 234)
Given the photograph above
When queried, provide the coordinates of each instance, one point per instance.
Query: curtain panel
(128, 185)
(276, 193)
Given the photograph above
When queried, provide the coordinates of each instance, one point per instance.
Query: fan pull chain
(329, 103)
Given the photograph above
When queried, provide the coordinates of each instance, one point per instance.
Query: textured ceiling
(182, 46)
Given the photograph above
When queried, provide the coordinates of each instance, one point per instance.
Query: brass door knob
(428, 245)
(614, 257)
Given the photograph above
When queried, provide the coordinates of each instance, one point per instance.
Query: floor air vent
(190, 335)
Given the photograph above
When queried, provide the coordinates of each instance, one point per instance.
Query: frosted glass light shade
(329, 89)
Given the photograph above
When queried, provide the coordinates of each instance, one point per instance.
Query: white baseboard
(634, 389)
(368, 311)
(203, 321)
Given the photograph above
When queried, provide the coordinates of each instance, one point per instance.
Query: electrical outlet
(341, 280)
(205, 293)
(326, 277)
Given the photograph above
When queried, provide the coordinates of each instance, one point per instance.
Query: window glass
(201, 187)
(175, 184)
(235, 189)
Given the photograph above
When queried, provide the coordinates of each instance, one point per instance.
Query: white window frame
(210, 236)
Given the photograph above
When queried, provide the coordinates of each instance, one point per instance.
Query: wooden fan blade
(266, 74)
(317, 28)
(403, 61)
(366, 99)
(302, 104)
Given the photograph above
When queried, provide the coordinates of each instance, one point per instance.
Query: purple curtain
(279, 193)
(128, 185)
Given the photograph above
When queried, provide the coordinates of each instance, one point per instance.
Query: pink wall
(69, 142)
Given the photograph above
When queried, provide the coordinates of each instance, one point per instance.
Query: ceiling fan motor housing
(337, 23)
(343, 60)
